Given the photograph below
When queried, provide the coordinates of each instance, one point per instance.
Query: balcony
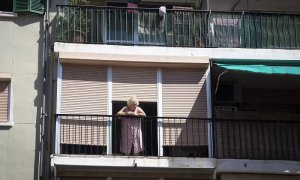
(181, 137)
(158, 136)
(177, 28)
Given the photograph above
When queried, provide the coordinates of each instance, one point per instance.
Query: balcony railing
(121, 135)
(180, 137)
(256, 139)
(177, 28)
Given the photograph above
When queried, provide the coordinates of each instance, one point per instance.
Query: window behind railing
(225, 30)
(271, 31)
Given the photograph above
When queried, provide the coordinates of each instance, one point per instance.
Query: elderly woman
(131, 134)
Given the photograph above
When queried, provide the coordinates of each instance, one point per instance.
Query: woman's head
(132, 102)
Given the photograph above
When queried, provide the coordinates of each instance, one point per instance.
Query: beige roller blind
(184, 95)
(4, 101)
(83, 91)
(140, 81)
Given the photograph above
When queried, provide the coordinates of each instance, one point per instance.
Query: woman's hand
(132, 113)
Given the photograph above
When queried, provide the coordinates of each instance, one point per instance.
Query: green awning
(261, 66)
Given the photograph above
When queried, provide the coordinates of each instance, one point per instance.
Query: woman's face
(132, 107)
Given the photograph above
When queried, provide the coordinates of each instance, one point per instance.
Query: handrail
(183, 10)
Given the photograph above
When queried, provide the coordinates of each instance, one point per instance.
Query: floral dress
(131, 134)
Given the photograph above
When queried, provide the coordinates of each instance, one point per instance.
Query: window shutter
(35, 6)
(4, 101)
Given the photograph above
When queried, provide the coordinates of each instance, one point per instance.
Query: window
(6, 5)
(4, 103)
(225, 31)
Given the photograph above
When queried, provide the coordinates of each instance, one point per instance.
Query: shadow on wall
(37, 36)
(190, 135)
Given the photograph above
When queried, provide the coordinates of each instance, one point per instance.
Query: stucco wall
(21, 44)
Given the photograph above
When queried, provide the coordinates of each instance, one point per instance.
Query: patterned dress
(131, 134)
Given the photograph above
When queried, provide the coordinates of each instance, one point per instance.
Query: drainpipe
(207, 5)
(44, 156)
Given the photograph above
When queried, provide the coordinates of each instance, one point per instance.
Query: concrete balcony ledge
(258, 166)
(126, 166)
(133, 161)
(207, 167)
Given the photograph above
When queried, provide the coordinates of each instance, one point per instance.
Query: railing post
(109, 110)
(159, 113)
(58, 107)
(135, 26)
(57, 134)
(104, 26)
(209, 113)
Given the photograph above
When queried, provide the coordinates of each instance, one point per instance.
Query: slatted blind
(4, 101)
(83, 91)
(133, 80)
(35, 6)
(184, 95)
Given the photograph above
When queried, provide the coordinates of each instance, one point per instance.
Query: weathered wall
(21, 44)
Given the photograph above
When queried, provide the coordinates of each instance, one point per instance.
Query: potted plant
(73, 22)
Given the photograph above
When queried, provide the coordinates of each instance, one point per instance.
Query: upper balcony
(177, 28)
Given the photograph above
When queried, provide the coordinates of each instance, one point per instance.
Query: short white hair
(133, 100)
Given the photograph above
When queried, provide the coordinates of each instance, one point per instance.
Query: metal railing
(256, 139)
(121, 135)
(177, 28)
(179, 137)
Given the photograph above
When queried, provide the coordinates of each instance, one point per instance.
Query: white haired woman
(131, 134)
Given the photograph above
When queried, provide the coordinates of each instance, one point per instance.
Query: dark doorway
(148, 125)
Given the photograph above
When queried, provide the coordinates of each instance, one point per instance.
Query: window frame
(9, 121)
(9, 14)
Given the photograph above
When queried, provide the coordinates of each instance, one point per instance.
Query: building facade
(21, 89)
(219, 88)
(218, 80)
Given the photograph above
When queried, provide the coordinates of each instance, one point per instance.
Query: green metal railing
(177, 28)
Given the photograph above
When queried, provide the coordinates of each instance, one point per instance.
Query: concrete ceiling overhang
(134, 60)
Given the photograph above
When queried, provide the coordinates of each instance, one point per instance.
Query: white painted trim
(159, 112)
(209, 112)
(10, 102)
(8, 14)
(58, 107)
(109, 110)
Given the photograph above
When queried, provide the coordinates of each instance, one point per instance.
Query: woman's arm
(140, 112)
(122, 112)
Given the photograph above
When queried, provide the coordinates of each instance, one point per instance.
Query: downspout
(207, 5)
(44, 161)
